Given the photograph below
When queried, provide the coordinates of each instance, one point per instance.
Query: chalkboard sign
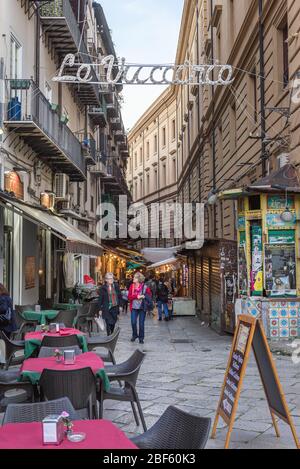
(249, 335)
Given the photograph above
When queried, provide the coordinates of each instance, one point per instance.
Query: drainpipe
(213, 120)
(37, 48)
(262, 87)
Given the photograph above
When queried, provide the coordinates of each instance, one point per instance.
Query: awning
(171, 260)
(159, 254)
(75, 241)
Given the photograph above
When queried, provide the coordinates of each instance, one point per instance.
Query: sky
(143, 31)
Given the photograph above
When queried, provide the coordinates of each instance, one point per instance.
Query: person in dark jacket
(162, 300)
(110, 300)
(6, 309)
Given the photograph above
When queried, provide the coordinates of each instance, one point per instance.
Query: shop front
(268, 253)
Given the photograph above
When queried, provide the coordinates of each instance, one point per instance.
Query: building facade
(231, 136)
(63, 147)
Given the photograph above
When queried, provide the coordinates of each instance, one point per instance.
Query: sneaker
(141, 341)
(160, 319)
(133, 339)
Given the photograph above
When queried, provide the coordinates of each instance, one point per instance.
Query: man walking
(162, 300)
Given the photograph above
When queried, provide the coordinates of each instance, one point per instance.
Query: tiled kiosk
(268, 252)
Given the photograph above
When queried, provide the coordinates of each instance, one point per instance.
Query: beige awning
(75, 240)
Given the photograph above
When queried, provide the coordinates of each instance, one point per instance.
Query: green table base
(32, 344)
(34, 377)
(41, 316)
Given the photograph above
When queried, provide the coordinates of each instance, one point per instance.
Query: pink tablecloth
(100, 434)
(38, 335)
(88, 359)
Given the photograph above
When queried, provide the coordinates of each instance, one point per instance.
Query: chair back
(94, 308)
(78, 385)
(45, 352)
(112, 340)
(131, 368)
(22, 413)
(21, 308)
(57, 342)
(66, 316)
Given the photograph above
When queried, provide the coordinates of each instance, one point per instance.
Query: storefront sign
(250, 335)
(142, 74)
(278, 202)
(254, 215)
(30, 272)
(274, 220)
(281, 236)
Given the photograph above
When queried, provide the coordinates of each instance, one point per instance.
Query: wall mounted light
(212, 197)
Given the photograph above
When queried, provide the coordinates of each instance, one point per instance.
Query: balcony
(31, 117)
(62, 36)
(113, 107)
(114, 179)
(88, 148)
(98, 115)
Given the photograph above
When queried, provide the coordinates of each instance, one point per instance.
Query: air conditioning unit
(283, 159)
(61, 185)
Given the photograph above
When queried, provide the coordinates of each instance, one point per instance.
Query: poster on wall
(30, 270)
(280, 202)
(280, 269)
(243, 275)
(256, 262)
(274, 220)
(282, 236)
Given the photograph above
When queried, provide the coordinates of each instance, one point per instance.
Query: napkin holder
(54, 327)
(53, 430)
(69, 357)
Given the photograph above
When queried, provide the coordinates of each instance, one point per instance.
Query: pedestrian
(162, 300)
(7, 315)
(140, 300)
(151, 283)
(124, 293)
(110, 300)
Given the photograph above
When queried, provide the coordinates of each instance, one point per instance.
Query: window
(173, 129)
(135, 160)
(136, 191)
(219, 50)
(15, 58)
(285, 47)
(253, 94)
(233, 128)
(147, 183)
(141, 187)
(148, 150)
(141, 155)
(155, 179)
(220, 143)
(155, 143)
(164, 175)
(174, 170)
(92, 203)
(164, 137)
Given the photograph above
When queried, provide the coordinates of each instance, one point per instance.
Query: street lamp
(212, 197)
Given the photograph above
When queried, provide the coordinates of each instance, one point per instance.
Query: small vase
(58, 359)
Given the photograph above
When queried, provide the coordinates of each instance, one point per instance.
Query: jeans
(109, 328)
(164, 306)
(135, 315)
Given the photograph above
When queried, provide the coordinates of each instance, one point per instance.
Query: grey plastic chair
(49, 351)
(19, 391)
(22, 413)
(23, 325)
(127, 373)
(66, 317)
(176, 429)
(11, 347)
(108, 343)
(59, 342)
(82, 315)
(78, 385)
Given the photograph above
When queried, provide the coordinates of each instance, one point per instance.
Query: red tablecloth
(100, 434)
(88, 359)
(38, 335)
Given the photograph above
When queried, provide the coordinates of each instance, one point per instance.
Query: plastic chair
(176, 429)
(59, 342)
(20, 391)
(82, 315)
(126, 372)
(45, 352)
(22, 413)
(11, 347)
(108, 343)
(23, 324)
(66, 316)
(78, 385)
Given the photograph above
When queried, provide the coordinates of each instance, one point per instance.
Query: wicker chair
(49, 351)
(59, 342)
(127, 373)
(108, 343)
(23, 324)
(23, 391)
(175, 429)
(82, 315)
(11, 347)
(78, 385)
(22, 413)
(66, 317)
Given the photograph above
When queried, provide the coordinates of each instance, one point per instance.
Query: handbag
(100, 322)
(5, 318)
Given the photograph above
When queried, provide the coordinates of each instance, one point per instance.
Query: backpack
(148, 301)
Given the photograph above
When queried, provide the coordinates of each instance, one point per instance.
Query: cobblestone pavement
(190, 376)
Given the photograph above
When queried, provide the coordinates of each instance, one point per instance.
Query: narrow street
(190, 376)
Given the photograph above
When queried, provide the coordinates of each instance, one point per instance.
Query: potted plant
(55, 107)
(67, 422)
(64, 119)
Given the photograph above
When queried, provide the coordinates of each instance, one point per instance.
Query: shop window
(254, 202)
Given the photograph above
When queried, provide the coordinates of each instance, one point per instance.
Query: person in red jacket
(140, 299)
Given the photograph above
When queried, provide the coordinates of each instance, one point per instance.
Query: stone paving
(190, 376)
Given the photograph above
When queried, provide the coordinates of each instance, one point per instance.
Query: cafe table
(33, 340)
(32, 368)
(40, 316)
(66, 306)
(100, 434)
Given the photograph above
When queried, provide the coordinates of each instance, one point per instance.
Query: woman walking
(110, 300)
(140, 299)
